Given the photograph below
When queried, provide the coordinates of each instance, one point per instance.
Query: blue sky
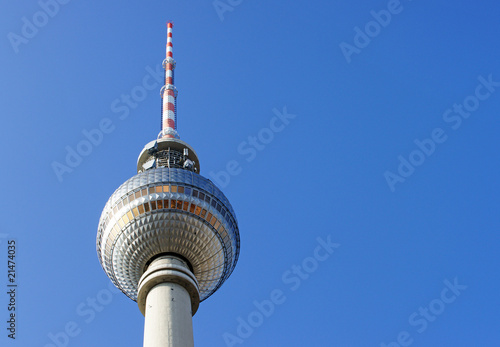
(385, 148)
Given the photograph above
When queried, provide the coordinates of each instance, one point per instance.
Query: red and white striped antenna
(169, 92)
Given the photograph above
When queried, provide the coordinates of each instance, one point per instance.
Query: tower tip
(169, 92)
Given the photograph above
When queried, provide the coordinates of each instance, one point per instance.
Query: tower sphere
(168, 211)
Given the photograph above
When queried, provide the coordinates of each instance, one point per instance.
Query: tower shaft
(168, 298)
(168, 320)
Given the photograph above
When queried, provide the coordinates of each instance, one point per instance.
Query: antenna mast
(169, 92)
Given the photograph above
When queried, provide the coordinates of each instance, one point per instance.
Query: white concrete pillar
(168, 298)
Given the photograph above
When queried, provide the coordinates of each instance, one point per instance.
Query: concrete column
(168, 298)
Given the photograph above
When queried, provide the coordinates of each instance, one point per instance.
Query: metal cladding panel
(168, 211)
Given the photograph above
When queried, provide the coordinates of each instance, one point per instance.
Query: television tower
(168, 237)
